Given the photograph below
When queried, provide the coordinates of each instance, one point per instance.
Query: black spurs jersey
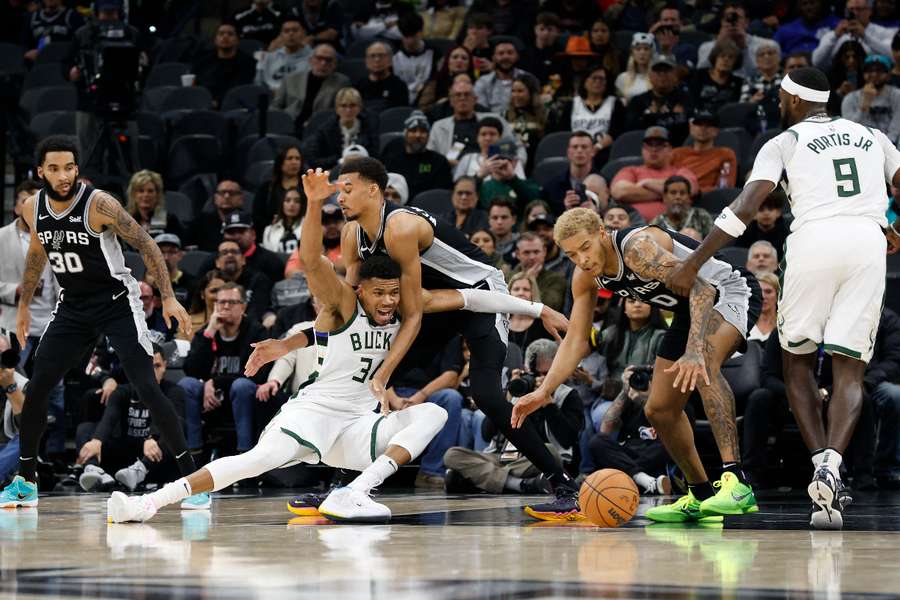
(84, 261)
(451, 261)
(627, 283)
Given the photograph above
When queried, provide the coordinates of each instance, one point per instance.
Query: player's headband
(803, 92)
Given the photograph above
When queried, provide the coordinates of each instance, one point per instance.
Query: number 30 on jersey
(68, 262)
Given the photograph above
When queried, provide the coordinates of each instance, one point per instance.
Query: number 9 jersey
(832, 167)
(85, 262)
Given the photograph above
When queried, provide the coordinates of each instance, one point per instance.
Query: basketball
(608, 498)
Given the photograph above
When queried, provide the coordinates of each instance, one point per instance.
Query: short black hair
(480, 19)
(676, 179)
(547, 19)
(504, 201)
(56, 143)
(775, 200)
(157, 349)
(812, 78)
(580, 133)
(410, 24)
(367, 168)
(380, 266)
(493, 122)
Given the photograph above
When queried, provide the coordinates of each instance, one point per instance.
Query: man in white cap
(422, 168)
(833, 266)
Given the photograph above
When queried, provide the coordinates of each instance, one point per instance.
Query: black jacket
(424, 171)
(224, 361)
(219, 75)
(326, 145)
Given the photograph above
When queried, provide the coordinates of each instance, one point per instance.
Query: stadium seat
(315, 121)
(358, 48)
(152, 124)
(201, 121)
(758, 143)
(392, 119)
(12, 59)
(244, 96)
(737, 114)
(610, 169)
(713, 202)
(386, 138)
(134, 262)
(187, 98)
(148, 152)
(200, 189)
(44, 76)
(152, 99)
(549, 168)
(277, 121)
(442, 45)
(53, 122)
(54, 52)
(193, 262)
(267, 148)
(166, 74)
(46, 99)
(435, 201)
(627, 144)
(353, 68)
(734, 255)
(258, 173)
(192, 154)
(622, 41)
(181, 206)
(552, 145)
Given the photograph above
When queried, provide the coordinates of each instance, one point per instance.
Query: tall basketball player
(833, 268)
(74, 226)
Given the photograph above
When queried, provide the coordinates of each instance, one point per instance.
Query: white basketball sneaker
(352, 506)
(132, 476)
(129, 509)
(827, 505)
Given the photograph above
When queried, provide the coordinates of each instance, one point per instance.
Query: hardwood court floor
(439, 548)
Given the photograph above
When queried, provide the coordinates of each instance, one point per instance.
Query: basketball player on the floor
(331, 417)
(435, 255)
(711, 322)
(833, 267)
(74, 226)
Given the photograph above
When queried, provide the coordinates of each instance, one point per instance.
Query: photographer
(636, 449)
(856, 25)
(105, 30)
(501, 467)
(12, 397)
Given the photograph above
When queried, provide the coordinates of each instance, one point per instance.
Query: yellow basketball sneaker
(683, 510)
(733, 498)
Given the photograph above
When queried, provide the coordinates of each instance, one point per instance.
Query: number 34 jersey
(85, 262)
(832, 168)
(347, 359)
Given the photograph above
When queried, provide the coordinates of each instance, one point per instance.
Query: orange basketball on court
(608, 498)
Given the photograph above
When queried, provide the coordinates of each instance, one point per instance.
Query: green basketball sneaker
(19, 493)
(683, 510)
(733, 498)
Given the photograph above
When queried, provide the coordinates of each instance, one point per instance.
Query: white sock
(644, 480)
(171, 493)
(832, 459)
(817, 459)
(374, 474)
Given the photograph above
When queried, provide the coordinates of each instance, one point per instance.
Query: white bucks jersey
(347, 359)
(832, 168)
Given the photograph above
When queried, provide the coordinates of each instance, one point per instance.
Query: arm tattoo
(702, 298)
(31, 277)
(648, 259)
(127, 228)
(613, 416)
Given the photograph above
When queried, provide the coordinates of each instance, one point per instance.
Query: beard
(785, 121)
(54, 195)
(415, 147)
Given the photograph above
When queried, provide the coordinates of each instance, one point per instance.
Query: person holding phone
(488, 159)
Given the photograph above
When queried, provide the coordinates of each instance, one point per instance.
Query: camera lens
(9, 359)
(521, 386)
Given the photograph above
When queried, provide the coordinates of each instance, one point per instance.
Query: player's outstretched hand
(316, 185)
(379, 391)
(689, 371)
(172, 309)
(682, 278)
(263, 353)
(527, 404)
(554, 322)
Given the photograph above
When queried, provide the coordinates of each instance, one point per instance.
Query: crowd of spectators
(494, 115)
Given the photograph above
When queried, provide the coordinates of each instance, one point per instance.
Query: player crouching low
(331, 418)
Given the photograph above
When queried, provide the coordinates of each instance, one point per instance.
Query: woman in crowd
(478, 164)
(147, 204)
(768, 282)
(285, 176)
(484, 239)
(533, 208)
(348, 125)
(718, 85)
(526, 114)
(204, 301)
(846, 74)
(458, 60)
(636, 77)
(524, 329)
(633, 340)
(284, 234)
(594, 110)
(607, 53)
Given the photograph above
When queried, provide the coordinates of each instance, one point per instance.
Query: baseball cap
(705, 116)
(541, 219)
(332, 212)
(662, 60)
(416, 120)
(237, 220)
(656, 133)
(398, 182)
(879, 59)
(646, 39)
(507, 147)
(354, 151)
(168, 238)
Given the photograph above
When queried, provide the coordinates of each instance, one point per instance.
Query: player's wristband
(730, 223)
